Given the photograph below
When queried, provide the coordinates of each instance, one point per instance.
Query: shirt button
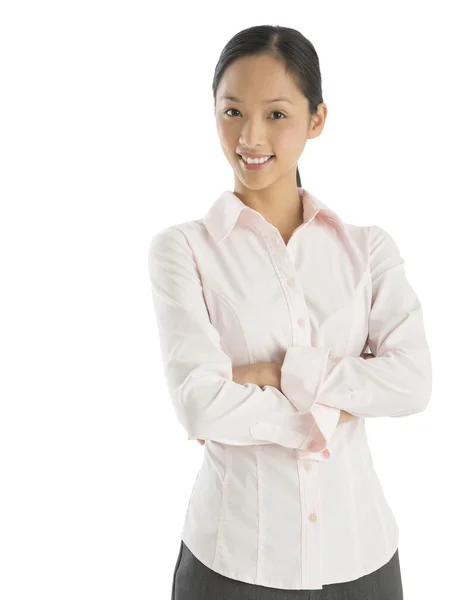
(291, 282)
(326, 452)
(300, 322)
(312, 517)
(307, 466)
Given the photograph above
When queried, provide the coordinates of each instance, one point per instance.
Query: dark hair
(285, 44)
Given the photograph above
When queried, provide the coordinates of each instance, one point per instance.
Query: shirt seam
(223, 298)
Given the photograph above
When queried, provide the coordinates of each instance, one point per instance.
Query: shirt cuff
(297, 440)
(302, 373)
(325, 423)
(276, 434)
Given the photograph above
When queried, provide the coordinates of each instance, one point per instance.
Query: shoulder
(176, 244)
(377, 237)
(380, 239)
(174, 235)
(384, 252)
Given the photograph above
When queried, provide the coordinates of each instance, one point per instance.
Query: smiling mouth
(258, 164)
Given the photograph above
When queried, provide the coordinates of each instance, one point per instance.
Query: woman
(265, 308)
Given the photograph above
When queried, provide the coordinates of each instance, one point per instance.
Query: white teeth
(255, 161)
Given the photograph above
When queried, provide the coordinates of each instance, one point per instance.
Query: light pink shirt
(286, 497)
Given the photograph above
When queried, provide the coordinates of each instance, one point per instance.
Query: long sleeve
(397, 381)
(208, 403)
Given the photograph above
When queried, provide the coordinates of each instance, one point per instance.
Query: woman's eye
(274, 112)
(279, 113)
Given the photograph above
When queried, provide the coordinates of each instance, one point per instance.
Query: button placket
(311, 536)
(280, 256)
(296, 301)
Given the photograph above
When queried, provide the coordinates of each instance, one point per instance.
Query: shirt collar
(224, 213)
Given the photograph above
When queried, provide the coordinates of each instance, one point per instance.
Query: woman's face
(252, 124)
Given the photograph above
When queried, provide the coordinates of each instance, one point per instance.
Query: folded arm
(207, 402)
(397, 381)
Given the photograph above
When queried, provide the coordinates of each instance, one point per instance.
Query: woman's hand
(258, 373)
(346, 416)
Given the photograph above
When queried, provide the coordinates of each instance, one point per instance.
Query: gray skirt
(192, 580)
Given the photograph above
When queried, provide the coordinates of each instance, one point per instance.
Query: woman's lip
(258, 156)
(254, 166)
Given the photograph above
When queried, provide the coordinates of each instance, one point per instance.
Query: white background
(107, 135)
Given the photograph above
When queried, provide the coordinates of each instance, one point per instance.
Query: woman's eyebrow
(280, 99)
